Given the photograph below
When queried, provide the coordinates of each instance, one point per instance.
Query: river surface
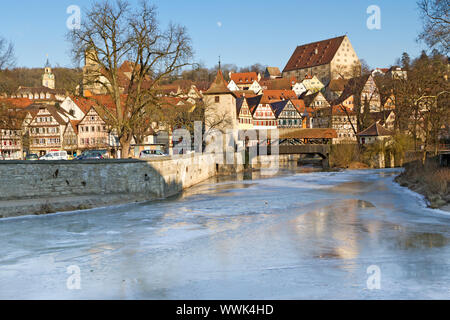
(297, 235)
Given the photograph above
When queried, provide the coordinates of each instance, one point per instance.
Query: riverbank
(431, 181)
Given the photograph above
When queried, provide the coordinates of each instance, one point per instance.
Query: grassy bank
(430, 180)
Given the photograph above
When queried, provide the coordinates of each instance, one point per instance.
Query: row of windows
(93, 128)
(52, 141)
(93, 141)
(35, 96)
(50, 130)
(10, 143)
(265, 123)
(9, 133)
(245, 120)
(289, 122)
(264, 114)
(345, 135)
(44, 119)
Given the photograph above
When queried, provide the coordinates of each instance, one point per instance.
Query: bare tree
(7, 58)
(436, 23)
(113, 33)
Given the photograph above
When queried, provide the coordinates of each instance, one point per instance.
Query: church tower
(48, 78)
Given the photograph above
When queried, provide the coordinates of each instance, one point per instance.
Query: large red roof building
(328, 59)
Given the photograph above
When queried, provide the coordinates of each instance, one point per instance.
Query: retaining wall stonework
(40, 187)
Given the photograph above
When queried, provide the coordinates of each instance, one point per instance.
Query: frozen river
(293, 236)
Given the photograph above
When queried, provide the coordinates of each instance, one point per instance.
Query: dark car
(32, 157)
(90, 156)
(93, 155)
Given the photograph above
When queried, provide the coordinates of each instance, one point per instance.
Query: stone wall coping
(103, 161)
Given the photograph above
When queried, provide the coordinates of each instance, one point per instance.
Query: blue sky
(242, 32)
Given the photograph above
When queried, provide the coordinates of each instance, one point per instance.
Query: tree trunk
(125, 142)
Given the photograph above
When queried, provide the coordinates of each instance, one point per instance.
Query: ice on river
(293, 236)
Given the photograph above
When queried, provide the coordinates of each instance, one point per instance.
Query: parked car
(32, 157)
(152, 154)
(90, 156)
(55, 155)
(93, 155)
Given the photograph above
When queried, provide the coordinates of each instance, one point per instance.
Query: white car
(55, 155)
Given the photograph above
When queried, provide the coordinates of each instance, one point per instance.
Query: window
(217, 99)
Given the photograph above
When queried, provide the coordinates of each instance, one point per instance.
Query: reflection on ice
(297, 235)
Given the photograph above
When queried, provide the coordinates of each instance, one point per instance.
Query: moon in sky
(219, 24)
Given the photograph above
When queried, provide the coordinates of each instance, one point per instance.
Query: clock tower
(48, 78)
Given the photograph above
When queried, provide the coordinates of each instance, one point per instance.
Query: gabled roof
(380, 116)
(253, 103)
(244, 77)
(299, 104)
(34, 109)
(239, 103)
(278, 107)
(219, 85)
(83, 103)
(308, 99)
(305, 56)
(74, 124)
(354, 86)
(337, 85)
(375, 130)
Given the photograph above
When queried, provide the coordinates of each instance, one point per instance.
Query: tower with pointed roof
(220, 105)
(48, 78)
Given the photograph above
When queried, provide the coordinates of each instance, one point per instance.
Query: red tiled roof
(244, 93)
(83, 103)
(244, 78)
(277, 95)
(342, 111)
(17, 102)
(299, 104)
(305, 56)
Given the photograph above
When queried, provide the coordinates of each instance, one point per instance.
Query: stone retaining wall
(50, 181)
